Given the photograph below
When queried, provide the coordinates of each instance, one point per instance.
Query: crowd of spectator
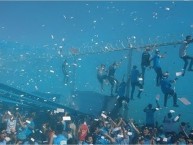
(20, 126)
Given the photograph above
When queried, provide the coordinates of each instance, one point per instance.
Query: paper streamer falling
(179, 74)
(184, 101)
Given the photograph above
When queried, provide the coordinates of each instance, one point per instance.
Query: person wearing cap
(183, 54)
(166, 87)
(145, 61)
(135, 75)
(157, 66)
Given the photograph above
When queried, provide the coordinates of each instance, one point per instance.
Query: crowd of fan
(46, 127)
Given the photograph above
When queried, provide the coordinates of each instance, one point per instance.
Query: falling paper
(172, 111)
(140, 79)
(51, 71)
(184, 101)
(167, 9)
(59, 110)
(66, 118)
(157, 97)
(179, 74)
(32, 139)
(103, 115)
(157, 109)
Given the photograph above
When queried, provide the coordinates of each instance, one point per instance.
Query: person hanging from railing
(136, 81)
(111, 77)
(145, 61)
(157, 66)
(102, 75)
(183, 54)
(121, 99)
(166, 87)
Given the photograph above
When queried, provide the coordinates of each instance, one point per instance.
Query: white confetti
(172, 111)
(73, 96)
(179, 74)
(36, 87)
(167, 9)
(74, 64)
(51, 71)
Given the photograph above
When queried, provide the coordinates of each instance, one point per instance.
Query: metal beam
(123, 49)
(12, 94)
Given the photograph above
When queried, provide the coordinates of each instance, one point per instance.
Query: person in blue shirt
(166, 87)
(169, 123)
(58, 138)
(183, 54)
(149, 110)
(157, 66)
(30, 125)
(135, 75)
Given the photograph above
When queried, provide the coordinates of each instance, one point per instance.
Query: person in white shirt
(183, 54)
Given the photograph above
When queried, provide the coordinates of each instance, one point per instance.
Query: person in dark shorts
(145, 61)
(184, 56)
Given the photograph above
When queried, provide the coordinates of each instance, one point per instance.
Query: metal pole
(129, 66)
(73, 76)
(123, 49)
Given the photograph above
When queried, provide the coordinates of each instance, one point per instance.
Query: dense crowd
(46, 127)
